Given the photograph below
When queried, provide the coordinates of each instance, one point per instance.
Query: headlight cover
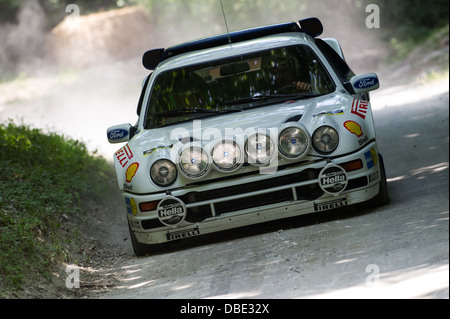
(163, 172)
(325, 140)
(194, 162)
(259, 149)
(227, 156)
(293, 142)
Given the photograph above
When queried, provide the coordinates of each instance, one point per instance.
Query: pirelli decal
(332, 204)
(182, 233)
(360, 108)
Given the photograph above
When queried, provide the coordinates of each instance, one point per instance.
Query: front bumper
(246, 200)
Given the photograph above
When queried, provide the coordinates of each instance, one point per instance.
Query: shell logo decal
(131, 171)
(354, 128)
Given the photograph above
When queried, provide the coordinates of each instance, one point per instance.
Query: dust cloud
(85, 74)
(23, 44)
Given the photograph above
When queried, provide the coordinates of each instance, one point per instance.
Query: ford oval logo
(366, 82)
(116, 134)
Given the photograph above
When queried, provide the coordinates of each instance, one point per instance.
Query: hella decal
(171, 211)
(333, 179)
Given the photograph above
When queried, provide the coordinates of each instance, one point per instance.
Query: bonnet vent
(294, 118)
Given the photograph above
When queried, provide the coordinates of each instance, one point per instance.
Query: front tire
(383, 195)
(143, 249)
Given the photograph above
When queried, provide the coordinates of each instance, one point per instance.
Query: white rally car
(243, 128)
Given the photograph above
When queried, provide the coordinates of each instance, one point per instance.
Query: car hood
(134, 160)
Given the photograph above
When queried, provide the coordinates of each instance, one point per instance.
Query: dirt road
(397, 251)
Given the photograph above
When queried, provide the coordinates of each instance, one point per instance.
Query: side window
(141, 97)
(339, 65)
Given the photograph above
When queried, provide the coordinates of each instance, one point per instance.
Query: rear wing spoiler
(310, 26)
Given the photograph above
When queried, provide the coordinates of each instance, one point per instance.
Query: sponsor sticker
(360, 108)
(353, 128)
(371, 158)
(131, 171)
(366, 82)
(333, 179)
(183, 233)
(123, 155)
(335, 112)
(150, 151)
(332, 204)
(117, 134)
(171, 211)
(131, 206)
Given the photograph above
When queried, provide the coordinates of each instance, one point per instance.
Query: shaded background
(78, 74)
(74, 67)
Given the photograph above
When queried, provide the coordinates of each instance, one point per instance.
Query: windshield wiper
(266, 97)
(174, 113)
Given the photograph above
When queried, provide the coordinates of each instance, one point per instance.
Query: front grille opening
(151, 223)
(357, 183)
(254, 201)
(197, 214)
(200, 213)
(309, 192)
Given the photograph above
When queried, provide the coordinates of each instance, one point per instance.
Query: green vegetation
(407, 24)
(45, 180)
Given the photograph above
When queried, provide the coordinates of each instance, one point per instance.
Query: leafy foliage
(44, 180)
(413, 18)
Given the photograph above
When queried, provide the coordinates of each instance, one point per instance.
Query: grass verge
(45, 179)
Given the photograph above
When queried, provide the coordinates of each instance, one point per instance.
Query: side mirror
(364, 83)
(119, 133)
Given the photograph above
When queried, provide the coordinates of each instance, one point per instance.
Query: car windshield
(236, 84)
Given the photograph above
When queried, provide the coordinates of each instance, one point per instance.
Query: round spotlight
(194, 162)
(227, 156)
(163, 172)
(259, 149)
(325, 140)
(293, 142)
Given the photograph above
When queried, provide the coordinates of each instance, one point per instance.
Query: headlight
(194, 162)
(227, 156)
(325, 140)
(259, 149)
(163, 172)
(293, 142)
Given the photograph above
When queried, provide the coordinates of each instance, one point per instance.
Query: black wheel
(143, 249)
(383, 195)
